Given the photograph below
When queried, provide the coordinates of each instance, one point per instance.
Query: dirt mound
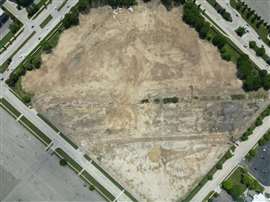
(105, 86)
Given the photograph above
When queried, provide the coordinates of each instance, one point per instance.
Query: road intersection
(33, 25)
(30, 26)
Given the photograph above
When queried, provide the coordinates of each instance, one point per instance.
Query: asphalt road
(30, 26)
(229, 29)
(29, 173)
(59, 142)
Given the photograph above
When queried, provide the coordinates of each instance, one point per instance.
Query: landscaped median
(63, 155)
(35, 131)
(9, 108)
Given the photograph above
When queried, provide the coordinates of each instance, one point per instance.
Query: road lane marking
(118, 195)
(19, 117)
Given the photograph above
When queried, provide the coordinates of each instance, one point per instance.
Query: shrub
(219, 166)
(219, 41)
(91, 187)
(227, 185)
(240, 31)
(63, 162)
(252, 44)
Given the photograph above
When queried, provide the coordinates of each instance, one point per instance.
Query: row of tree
(33, 63)
(235, 189)
(226, 15)
(251, 15)
(84, 6)
(252, 78)
(260, 51)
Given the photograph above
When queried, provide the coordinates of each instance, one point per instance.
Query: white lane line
(118, 195)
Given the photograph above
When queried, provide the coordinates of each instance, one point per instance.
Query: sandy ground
(93, 84)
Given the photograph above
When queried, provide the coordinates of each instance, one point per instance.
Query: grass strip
(46, 21)
(48, 122)
(104, 192)
(87, 157)
(62, 5)
(4, 66)
(28, 38)
(6, 39)
(10, 108)
(107, 175)
(72, 163)
(69, 141)
(56, 130)
(130, 196)
(35, 130)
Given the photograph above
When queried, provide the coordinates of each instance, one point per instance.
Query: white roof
(260, 198)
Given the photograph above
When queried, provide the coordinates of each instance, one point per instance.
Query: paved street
(229, 29)
(29, 27)
(59, 142)
(29, 173)
(230, 164)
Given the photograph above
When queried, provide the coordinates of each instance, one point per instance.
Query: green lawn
(62, 5)
(239, 181)
(46, 21)
(72, 163)
(48, 122)
(6, 39)
(14, 112)
(107, 175)
(69, 141)
(104, 192)
(35, 131)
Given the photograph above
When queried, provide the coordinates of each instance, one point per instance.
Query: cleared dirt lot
(103, 86)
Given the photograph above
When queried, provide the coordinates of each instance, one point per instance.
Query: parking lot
(29, 173)
(259, 166)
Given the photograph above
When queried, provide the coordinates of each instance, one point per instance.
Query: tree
(247, 180)
(226, 56)
(91, 187)
(83, 5)
(227, 184)
(24, 3)
(266, 82)
(219, 41)
(252, 44)
(260, 51)
(219, 166)
(14, 27)
(47, 47)
(252, 82)
(240, 31)
(63, 162)
(71, 19)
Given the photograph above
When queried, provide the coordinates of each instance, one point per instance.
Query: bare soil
(93, 83)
